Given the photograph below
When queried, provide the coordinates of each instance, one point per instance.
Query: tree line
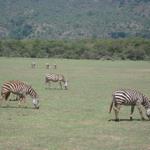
(131, 48)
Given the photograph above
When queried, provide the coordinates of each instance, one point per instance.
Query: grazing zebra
(56, 78)
(130, 97)
(20, 89)
(33, 65)
(47, 66)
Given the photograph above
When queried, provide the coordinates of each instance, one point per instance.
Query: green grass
(77, 118)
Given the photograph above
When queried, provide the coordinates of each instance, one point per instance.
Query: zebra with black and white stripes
(56, 78)
(20, 89)
(130, 97)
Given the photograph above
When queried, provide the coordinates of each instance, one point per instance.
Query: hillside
(59, 19)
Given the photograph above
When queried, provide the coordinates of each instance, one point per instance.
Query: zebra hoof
(117, 120)
(131, 118)
(37, 107)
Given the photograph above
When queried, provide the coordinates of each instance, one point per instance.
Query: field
(77, 118)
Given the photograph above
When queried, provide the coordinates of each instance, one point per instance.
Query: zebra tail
(111, 105)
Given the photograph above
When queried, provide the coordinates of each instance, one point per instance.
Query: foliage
(134, 49)
(72, 19)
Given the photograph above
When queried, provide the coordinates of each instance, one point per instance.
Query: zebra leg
(6, 98)
(60, 84)
(20, 100)
(140, 111)
(1, 99)
(132, 110)
(116, 110)
(24, 100)
(47, 85)
(17, 98)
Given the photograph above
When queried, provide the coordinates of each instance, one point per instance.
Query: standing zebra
(131, 98)
(56, 78)
(55, 66)
(20, 89)
(33, 65)
(47, 66)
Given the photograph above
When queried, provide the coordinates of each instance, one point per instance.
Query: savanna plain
(77, 118)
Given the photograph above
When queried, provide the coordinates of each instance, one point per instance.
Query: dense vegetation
(134, 49)
(72, 19)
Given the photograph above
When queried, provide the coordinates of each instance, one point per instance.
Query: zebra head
(35, 102)
(66, 84)
(147, 107)
(35, 97)
(148, 113)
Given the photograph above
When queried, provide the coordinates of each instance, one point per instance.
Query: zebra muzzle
(36, 107)
(35, 103)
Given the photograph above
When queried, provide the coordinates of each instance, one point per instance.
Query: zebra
(55, 66)
(56, 78)
(33, 65)
(47, 66)
(130, 97)
(20, 89)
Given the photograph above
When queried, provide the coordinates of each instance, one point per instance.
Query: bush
(134, 49)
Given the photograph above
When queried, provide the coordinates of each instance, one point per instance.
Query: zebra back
(18, 87)
(130, 97)
(11, 86)
(54, 77)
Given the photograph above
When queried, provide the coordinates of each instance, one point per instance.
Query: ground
(77, 118)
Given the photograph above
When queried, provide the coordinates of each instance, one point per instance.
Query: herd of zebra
(22, 89)
(128, 97)
(48, 66)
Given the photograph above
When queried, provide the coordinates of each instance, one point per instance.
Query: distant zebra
(56, 78)
(55, 66)
(33, 65)
(130, 97)
(47, 66)
(20, 89)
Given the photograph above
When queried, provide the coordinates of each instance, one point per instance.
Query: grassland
(77, 118)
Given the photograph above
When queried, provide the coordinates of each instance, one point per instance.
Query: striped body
(129, 97)
(56, 78)
(18, 88)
